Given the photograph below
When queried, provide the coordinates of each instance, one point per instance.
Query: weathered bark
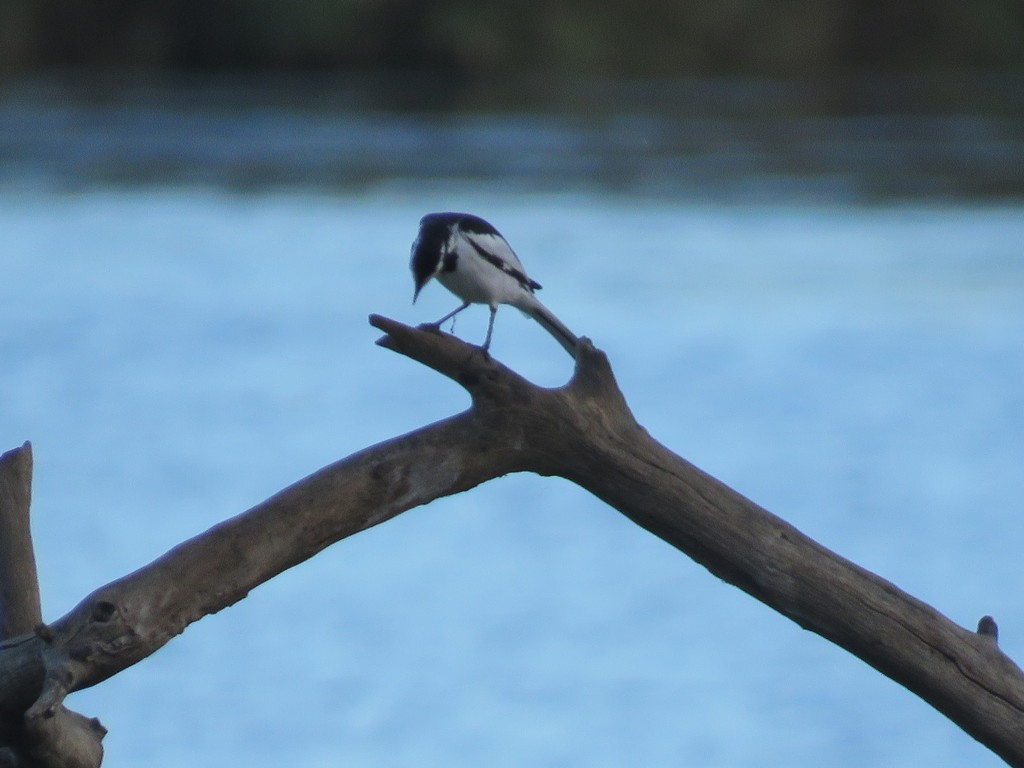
(19, 585)
(584, 432)
(56, 737)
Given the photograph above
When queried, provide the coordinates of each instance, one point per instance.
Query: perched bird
(471, 259)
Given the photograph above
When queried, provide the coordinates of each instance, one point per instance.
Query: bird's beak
(416, 293)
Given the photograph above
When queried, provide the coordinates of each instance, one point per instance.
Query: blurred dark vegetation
(485, 38)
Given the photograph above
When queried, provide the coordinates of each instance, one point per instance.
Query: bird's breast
(480, 282)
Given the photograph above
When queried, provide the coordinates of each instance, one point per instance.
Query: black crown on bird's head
(431, 243)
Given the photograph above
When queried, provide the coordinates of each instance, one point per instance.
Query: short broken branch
(19, 585)
(46, 734)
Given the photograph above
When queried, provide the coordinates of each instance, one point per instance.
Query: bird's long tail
(551, 324)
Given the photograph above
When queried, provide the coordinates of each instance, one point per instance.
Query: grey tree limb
(583, 431)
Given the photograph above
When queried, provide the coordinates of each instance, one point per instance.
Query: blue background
(178, 349)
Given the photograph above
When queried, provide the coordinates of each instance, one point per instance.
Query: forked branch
(584, 432)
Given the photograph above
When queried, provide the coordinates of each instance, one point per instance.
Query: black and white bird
(471, 259)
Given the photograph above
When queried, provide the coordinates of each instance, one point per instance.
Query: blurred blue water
(178, 354)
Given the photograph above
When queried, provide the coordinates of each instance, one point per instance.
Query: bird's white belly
(479, 282)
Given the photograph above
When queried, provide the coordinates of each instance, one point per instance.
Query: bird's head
(429, 248)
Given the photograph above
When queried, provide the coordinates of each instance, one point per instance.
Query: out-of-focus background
(796, 228)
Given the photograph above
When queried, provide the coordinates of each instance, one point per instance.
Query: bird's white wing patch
(496, 250)
(497, 247)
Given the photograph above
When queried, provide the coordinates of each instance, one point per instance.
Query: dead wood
(54, 737)
(584, 432)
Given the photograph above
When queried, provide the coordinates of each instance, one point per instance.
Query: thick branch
(585, 432)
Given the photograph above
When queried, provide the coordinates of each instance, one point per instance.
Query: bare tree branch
(584, 432)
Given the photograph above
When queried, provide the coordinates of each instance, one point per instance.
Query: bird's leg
(449, 316)
(490, 328)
